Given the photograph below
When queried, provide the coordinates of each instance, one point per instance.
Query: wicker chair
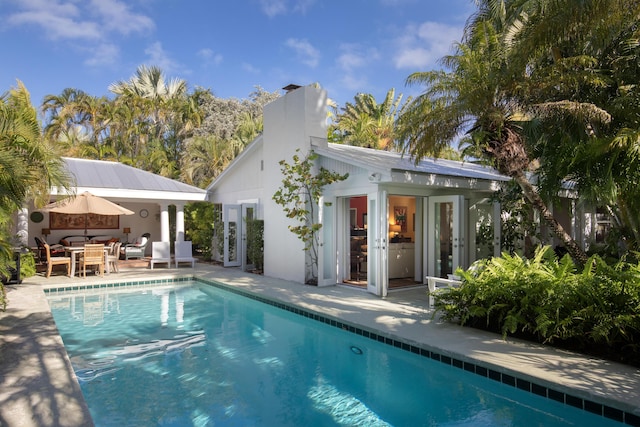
(136, 250)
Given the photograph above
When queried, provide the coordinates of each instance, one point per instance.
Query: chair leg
(49, 267)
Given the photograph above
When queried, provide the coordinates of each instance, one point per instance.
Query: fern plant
(547, 299)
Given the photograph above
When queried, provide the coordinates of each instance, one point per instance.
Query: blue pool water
(191, 354)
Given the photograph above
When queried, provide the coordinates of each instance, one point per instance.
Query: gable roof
(118, 181)
(387, 162)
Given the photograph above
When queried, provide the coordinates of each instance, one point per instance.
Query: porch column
(164, 222)
(179, 222)
(22, 227)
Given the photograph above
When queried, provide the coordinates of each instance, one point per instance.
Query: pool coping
(303, 300)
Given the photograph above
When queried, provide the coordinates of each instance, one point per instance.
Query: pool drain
(356, 350)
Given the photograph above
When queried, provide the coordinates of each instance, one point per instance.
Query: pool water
(191, 354)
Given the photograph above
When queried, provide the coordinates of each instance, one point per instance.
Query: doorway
(381, 252)
(235, 217)
(446, 235)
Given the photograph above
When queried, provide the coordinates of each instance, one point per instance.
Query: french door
(446, 245)
(378, 224)
(234, 217)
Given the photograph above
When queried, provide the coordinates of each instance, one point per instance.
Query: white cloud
(354, 83)
(250, 68)
(58, 20)
(118, 17)
(422, 46)
(209, 56)
(105, 54)
(308, 54)
(160, 58)
(273, 8)
(73, 20)
(303, 6)
(354, 56)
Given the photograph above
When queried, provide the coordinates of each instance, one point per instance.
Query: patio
(38, 386)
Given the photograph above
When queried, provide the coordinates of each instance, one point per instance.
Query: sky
(227, 46)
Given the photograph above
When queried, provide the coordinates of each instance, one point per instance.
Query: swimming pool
(191, 354)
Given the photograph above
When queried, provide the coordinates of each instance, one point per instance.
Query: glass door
(326, 241)
(377, 224)
(248, 214)
(446, 241)
(232, 218)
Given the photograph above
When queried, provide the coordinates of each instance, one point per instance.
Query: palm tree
(205, 157)
(29, 166)
(149, 83)
(478, 96)
(366, 123)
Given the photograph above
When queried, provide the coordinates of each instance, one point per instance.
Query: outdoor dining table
(73, 250)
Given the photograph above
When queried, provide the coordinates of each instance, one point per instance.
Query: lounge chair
(160, 253)
(437, 284)
(184, 253)
(137, 248)
(57, 260)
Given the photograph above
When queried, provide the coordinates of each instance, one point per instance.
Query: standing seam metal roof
(114, 175)
(387, 161)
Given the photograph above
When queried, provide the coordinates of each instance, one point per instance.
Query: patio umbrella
(85, 204)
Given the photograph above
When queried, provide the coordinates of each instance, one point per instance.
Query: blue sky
(228, 46)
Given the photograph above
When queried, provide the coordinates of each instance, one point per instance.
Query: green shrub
(8, 265)
(27, 265)
(199, 223)
(255, 242)
(547, 300)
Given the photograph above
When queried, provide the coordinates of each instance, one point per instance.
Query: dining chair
(113, 256)
(55, 260)
(93, 255)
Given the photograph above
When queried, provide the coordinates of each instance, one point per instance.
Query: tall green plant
(596, 308)
(255, 242)
(299, 196)
(199, 222)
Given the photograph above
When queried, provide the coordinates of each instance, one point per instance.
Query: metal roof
(126, 182)
(388, 162)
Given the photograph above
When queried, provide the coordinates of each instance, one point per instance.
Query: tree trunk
(576, 252)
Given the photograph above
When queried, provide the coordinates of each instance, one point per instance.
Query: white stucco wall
(242, 183)
(290, 123)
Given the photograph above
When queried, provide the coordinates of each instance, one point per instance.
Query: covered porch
(148, 195)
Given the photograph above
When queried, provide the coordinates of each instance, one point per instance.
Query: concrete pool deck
(38, 386)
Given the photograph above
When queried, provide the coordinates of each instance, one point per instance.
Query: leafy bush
(7, 267)
(199, 221)
(547, 300)
(255, 242)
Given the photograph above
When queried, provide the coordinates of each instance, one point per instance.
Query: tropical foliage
(156, 124)
(365, 123)
(199, 221)
(539, 86)
(255, 243)
(593, 310)
(29, 167)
